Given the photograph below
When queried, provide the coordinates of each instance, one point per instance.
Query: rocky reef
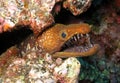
(36, 67)
(39, 66)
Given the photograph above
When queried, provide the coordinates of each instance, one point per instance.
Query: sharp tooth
(78, 36)
(88, 39)
(87, 35)
(91, 45)
(70, 41)
(85, 49)
(81, 35)
(75, 38)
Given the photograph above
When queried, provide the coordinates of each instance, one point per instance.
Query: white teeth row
(84, 49)
(78, 36)
(88, 47)
(76, 39)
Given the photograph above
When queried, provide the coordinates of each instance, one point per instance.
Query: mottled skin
(53, 39)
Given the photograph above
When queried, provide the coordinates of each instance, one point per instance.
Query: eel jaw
(78, 45)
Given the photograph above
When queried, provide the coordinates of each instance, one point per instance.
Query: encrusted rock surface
(41, 68)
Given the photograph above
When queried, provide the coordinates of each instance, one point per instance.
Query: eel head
(68, 41)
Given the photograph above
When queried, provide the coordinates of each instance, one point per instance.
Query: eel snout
(68, 41)
(78, 45)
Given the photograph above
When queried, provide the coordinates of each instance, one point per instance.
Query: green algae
(99, 70)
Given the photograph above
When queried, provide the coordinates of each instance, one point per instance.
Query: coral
(77, 6)
(10, 54)
(116, 56)
(26, 12)
(97, 71)
(35, 13)
(37, 67)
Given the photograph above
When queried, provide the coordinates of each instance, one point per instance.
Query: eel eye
(63, 34)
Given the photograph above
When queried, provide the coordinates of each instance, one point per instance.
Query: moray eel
(63, 41)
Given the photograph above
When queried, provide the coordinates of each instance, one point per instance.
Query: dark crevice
(8, 39)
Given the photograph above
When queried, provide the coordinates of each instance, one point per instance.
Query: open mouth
(77, 43)
(77, 46)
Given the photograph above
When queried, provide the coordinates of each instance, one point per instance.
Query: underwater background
(104, 16)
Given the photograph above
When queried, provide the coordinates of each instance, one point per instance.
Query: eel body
(62, 41)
